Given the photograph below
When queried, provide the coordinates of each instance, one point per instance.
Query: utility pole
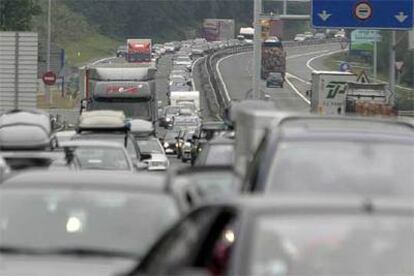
(49, 47)
(284, 7)
(257, 49)
(375, 60)
(393, 45)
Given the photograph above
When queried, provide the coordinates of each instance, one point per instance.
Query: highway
(236, 72)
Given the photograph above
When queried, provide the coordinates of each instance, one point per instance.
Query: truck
(328, 94)
(273, 57)
(124, 87)
(139, 50)
(218, 29)
(368, 99)
(179, 98)
(339, 93)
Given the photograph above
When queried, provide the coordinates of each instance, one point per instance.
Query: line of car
(270, 193)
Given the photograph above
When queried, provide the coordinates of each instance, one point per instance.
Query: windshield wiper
(80, 251)
(76, 251)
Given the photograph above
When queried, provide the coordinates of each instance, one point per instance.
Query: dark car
(334, 155)
(169, 141)
(288, 236)
(205, 133)
(275, 80)
(168, 115)
(218, 151)
(81, 223)
(122, 51)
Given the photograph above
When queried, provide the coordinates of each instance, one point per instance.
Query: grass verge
(91, 48)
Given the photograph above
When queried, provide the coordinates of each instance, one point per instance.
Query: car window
(368, 168)
(150, 146)
(177, 248)
(48, 219)
(332, 245)
(101, 158)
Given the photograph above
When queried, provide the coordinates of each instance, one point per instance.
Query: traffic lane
(299, 60)
(237, 74)
(162, 78)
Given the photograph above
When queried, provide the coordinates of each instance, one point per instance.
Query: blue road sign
(345, 67)
(363, 14)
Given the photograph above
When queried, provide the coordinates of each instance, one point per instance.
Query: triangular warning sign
(363, 78)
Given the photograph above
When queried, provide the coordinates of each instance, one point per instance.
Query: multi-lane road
(236, 72)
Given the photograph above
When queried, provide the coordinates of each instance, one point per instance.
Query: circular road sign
(345, 67)
(49, 78)
(363, 11)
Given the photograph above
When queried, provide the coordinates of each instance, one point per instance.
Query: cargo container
(124, 87)
(218, 29)
(328, 95)
(273, 57)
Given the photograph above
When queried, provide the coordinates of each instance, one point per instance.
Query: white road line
(221, 76)
(323, 55)
(295, 89)
(192, 72)
(307, 54)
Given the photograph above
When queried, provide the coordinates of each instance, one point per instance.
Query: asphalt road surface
(236, 72)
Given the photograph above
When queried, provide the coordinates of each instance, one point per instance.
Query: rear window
(333, 245)
(342, 167)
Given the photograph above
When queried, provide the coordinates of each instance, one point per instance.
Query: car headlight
(168, 119)
(166, 145)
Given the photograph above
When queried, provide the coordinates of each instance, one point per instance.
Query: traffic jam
(149, 183)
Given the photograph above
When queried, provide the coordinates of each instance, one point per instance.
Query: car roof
(318, 204)
(88, 180)
(90, 143)
(348, 122)
(300, 134)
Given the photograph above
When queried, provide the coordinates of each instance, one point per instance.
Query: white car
(300, 38)
(340, 34)
(308, 35)
(152, 146)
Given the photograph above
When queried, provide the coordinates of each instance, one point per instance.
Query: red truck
(139, 50)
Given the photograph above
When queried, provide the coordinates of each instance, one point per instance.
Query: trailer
(124, 87)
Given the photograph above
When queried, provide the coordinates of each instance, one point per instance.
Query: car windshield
(333, 245)
(101, 158)
(342, 167)
(57, 219)
(149, 146)
(119, 138)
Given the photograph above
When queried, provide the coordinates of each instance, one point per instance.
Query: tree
(16, 15)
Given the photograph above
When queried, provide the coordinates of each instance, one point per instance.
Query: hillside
(89, 29)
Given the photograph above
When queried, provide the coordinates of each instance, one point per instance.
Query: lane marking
(323, 55)
(192, 72)
(226, 91)
(295, 89)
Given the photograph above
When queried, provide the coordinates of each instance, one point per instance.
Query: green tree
(16, 15)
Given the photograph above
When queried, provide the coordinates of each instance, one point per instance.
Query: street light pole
(49, 46)
(257, 49)
(393, 44)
